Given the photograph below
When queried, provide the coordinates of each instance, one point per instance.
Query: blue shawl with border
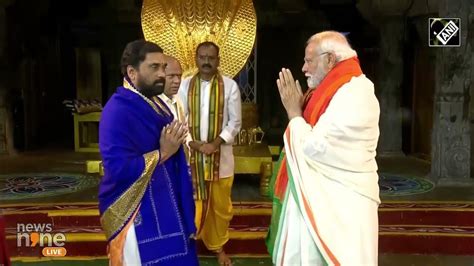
(135, 181)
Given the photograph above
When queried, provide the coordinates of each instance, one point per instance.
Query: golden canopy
(178, 26)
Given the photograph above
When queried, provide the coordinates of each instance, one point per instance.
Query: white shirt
(171, 103)
(177, 109)
(232, 120)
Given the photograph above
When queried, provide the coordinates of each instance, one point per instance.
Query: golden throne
(178, 26)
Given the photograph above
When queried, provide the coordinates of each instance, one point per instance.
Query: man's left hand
(290, 93)
(208, 148)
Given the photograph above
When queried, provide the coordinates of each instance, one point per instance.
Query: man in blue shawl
(146, 195)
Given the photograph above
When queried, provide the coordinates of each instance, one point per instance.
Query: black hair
(135, 53)
(207, 44)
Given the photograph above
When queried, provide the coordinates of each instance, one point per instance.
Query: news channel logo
(41, 235)
(444, 32)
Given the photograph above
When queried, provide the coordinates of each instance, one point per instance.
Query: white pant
(131, 254)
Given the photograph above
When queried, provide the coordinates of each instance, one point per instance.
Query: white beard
(314, 80)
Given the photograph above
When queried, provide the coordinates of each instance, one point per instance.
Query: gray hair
(333, 42)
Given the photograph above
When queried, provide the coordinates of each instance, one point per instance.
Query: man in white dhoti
(213, 107)
(327, 182)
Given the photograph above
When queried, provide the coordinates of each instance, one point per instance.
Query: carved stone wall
(389, 17)
(451, 140)
(388, 85)
(470, 43)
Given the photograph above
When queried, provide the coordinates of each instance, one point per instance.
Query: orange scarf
(316, 103)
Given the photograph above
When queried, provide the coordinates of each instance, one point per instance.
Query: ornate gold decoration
(178, 26)
(256, 135)
(117, 215)
(265, 176)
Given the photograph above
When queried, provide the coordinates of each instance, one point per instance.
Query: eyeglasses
(309, 61)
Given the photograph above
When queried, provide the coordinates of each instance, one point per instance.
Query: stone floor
(245, 189)
(245, 185)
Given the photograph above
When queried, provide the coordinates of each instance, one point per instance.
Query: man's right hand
(196, 145)
(172, 137)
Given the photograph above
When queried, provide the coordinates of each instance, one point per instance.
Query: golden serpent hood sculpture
(178, 26)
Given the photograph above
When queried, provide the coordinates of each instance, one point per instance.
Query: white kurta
(131, 253)
(177, 109)
(330, 209)
(172, 104)
(232, 119)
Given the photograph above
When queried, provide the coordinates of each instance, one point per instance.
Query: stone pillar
(388, 85)
(3, 89)
(6, 124)
(470, 43)
(451, 140)
(471, 118)
(389, 18)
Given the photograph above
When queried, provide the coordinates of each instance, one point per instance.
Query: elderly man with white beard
(325, 190)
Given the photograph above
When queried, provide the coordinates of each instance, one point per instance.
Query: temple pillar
(451, 139)
(6, 121)
(389, 17)
(388, 85)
